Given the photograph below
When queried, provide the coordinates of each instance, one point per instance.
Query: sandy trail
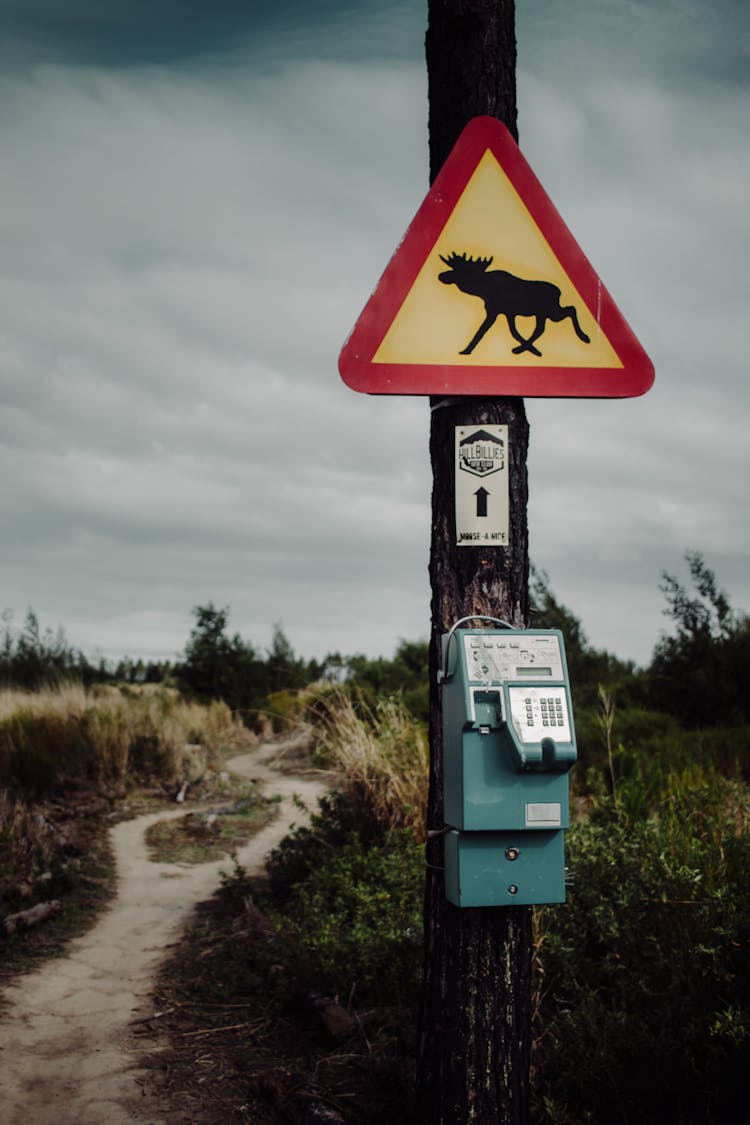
(67, 1053)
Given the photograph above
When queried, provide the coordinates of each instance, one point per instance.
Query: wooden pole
(475, 1028)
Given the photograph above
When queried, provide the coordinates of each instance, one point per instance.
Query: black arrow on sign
(481, 495)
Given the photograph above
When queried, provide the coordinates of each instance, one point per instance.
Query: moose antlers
(455, 261)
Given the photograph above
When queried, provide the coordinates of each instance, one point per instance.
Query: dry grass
(25, 838)
(381, 751)
(66, 756)
(68, 699)
(109, 735)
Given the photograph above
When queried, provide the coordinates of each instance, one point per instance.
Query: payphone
(508, 744)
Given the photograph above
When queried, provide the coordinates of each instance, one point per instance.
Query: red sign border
(355, 361)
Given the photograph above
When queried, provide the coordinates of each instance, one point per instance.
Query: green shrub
(354, 917)
(284, 709)
(649, 746)
(306, 847)
(646, 985)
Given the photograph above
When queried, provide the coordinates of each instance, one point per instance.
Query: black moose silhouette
(508, 296)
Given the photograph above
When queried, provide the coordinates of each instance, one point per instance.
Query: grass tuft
(108, 735)
(381, 752)
(199, 837)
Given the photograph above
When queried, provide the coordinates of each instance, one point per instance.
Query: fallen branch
(214, 1030)
(25, 919)
(154, 1016)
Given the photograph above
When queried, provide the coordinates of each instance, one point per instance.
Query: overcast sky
(197, 200)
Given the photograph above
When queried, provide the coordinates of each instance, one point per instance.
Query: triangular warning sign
(490, 294)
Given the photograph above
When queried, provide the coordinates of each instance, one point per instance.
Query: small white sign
(544, 816)
(481, 486)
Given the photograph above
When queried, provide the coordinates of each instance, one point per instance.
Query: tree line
(697, 674)
(215, 664)
(698, 670)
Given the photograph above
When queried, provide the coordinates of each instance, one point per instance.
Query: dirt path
(67, 1053)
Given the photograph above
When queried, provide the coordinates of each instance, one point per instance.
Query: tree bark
(475, 1028)
(471, 69)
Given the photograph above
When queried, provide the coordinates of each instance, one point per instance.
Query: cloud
(683, 44)
(185, 250)
(178, 282)
(130, 34)
(652, 182)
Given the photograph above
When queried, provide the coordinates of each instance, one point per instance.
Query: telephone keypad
(539, 713)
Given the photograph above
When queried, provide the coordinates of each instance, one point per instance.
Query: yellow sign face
(488, 293)
(491, 233)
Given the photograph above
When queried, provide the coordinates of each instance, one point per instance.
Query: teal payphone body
(508, 744)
